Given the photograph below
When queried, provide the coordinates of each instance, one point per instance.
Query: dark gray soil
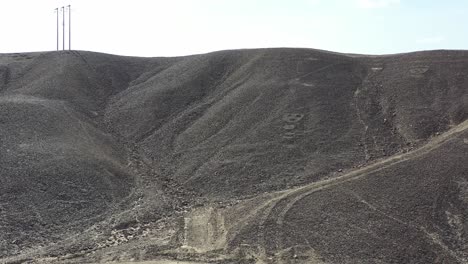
(243, 156)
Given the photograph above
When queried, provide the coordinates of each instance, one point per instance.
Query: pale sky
(181, 27)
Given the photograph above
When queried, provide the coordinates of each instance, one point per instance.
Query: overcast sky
(181, 27)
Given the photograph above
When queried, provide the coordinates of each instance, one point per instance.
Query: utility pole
(63, 27)
(57, 10)
(64, 9)
(69, 27)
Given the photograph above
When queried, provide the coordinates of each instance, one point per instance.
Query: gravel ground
(241, 156)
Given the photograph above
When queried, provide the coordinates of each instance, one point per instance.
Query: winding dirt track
(283, 201)
(159, 262)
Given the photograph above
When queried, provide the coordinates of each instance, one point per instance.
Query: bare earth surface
(243, 156)
(159, 262)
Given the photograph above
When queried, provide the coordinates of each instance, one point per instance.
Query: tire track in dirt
(264, 210)
(303, 192)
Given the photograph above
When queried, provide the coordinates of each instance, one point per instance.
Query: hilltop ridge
(233, 156)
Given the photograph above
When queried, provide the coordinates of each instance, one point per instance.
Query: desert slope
(235, 155)
(265, 116)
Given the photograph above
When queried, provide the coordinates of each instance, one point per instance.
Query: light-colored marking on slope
(434, 238)
(315, 187)
(361, 121)
(377, 166)
(377, 210)
(204, 230)
(419, 70)
(317, 70)
(158, 262)
(306, 190)
(261, 212)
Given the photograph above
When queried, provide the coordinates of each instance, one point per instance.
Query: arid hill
(243, 156)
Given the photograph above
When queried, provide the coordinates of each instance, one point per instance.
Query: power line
(69, 27)
(64, 9)
(63, 27)
(57, 10)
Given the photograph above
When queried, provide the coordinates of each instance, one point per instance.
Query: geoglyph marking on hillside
(419, 70)
(204, 230)
(297, 81)
(308, 84)
(293, 117)
(290, 126)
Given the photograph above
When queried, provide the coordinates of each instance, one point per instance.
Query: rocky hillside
(243, 156)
